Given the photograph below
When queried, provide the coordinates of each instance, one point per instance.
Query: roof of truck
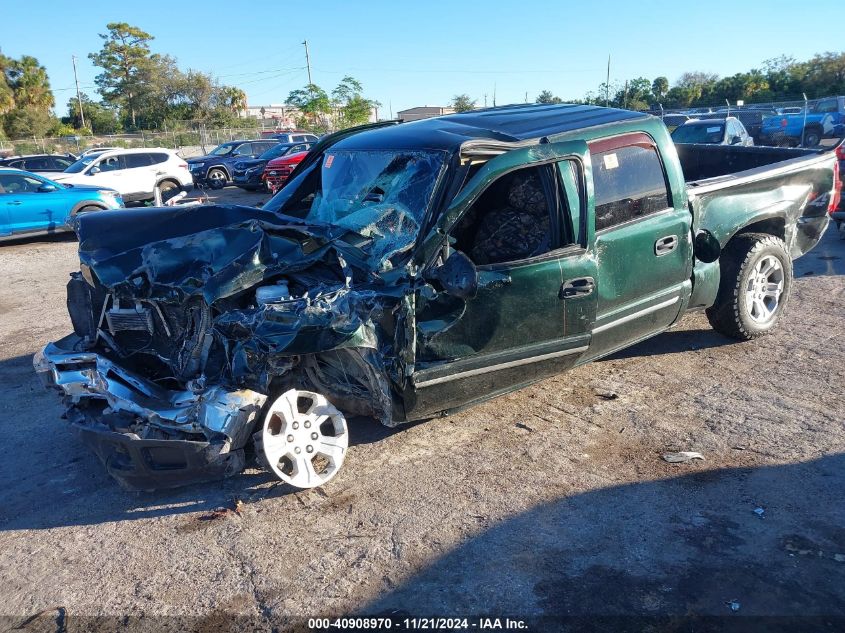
(505, 123)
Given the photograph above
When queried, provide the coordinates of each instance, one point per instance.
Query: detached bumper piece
(149, 437)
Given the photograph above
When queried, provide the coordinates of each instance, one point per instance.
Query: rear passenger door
(140, 175)
(643, 243)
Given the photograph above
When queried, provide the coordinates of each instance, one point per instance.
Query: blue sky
(423, 53)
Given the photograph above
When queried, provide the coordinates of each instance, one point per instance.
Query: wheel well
(87, 205)
(221, 168)
(171, 180)
(770, 226)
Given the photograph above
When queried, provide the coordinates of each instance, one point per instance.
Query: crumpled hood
(211, 251)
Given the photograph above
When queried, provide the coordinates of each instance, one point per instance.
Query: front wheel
(217, 178)
(754, 288)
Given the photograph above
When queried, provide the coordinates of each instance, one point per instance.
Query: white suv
(138, 174)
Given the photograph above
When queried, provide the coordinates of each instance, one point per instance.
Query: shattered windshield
(379, 194)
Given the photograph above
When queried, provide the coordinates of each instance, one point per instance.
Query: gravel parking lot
(553, 500)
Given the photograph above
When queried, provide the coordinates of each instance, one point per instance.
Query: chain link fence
(186, 143)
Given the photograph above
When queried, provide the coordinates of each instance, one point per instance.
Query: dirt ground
(550, 501)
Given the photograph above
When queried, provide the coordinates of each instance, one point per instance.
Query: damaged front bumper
(147, 436)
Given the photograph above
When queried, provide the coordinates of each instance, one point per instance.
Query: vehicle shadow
(725, 545)
(51, 479)
(673, 342)
(48, 238)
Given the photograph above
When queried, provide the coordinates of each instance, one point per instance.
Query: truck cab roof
(511, 123)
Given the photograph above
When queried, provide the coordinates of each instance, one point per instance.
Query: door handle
(15, 203)
(581, 287)
(665, 245)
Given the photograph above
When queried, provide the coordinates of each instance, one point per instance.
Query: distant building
(285, 116)
(423, 112)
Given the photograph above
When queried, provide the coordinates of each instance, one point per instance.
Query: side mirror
(93, 171)
(47, 188)
(707, 247)
(458, 276)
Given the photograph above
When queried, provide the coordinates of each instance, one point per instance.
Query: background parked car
(215, 169)
(31, 204)
(40, 162)
(293, 136)
(751, 119)
(249, 174)
(279, 169)
(138, 174)
(672, 121)
(727, 131)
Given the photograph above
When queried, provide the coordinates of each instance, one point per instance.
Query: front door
(521, 220)
(643, 243)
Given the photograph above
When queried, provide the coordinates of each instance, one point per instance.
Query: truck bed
(712, 164)
(777, 190)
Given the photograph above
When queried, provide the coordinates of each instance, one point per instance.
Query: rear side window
(137, 160)
(158, 157)
(629, 184)
(34, 164)
(61, 163)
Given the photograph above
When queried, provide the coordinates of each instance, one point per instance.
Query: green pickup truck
(409, 270)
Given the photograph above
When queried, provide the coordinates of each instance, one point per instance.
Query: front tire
(217, 178)
(754, 288)
(812, 137)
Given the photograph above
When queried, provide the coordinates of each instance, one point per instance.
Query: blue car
(34, 205)
(215, 169)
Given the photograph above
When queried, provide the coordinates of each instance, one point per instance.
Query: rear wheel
(754, 288)
(812, 137)
(167, 189)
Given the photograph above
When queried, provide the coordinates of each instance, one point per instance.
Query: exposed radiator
(135, 319)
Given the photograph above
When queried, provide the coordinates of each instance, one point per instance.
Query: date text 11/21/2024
(415, 624)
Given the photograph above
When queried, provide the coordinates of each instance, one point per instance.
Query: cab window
(629, 184)
(516, 218)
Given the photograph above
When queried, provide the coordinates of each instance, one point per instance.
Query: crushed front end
(189, 324)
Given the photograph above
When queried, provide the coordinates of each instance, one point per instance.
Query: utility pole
(607, 84)
(307, 60)
(78, 94)
(494, 94)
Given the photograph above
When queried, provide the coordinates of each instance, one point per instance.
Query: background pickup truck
(406, 271)
(825, 117)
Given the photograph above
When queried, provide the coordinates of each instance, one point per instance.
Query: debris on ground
(521, 425)
(219, 513)
(605, 394)
(734, 605)
(682, 456)
(760, 511)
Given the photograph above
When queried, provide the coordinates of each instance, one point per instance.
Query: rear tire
(812, 137)
(754, 287)
(167, 189)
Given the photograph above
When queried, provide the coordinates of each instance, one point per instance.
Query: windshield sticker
(329, 161)
(713, 130)
(611, 161)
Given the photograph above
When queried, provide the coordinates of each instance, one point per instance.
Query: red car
(277, 171)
